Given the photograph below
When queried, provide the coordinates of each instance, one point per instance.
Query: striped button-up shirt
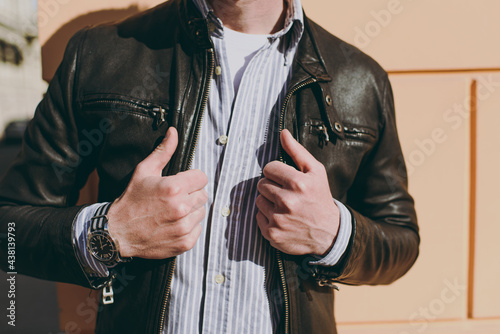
(229, 282)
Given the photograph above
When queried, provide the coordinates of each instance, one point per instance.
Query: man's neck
(251, 16)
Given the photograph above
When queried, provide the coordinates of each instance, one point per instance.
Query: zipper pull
(107, 294)
(324, 131)
(329, 282)
(160, 114)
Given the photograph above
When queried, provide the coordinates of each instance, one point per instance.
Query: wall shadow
(53, 49)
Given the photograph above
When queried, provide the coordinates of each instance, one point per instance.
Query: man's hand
(158, 217)
(297, 213)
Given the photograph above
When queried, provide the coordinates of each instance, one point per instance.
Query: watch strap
(100, 220)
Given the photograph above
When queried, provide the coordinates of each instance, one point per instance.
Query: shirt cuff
(343, 236)
(91, 267)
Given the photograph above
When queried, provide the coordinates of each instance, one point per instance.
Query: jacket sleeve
(39, 191)
(385, 241)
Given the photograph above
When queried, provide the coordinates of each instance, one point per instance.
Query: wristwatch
(103, 247)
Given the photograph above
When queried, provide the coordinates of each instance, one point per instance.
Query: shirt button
(223, 140)
(218, 70)
(225, 212)
(219, 279)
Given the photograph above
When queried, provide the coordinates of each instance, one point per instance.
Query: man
(212, 217)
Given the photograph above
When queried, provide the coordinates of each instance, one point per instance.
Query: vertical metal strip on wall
(472, 197)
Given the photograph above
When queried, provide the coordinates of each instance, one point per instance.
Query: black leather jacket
(120, 87)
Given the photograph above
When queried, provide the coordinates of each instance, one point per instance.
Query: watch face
(102, 246)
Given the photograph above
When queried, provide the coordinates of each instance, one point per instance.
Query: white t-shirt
(240, 49)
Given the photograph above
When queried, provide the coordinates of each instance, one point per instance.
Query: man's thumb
(159, 158)
(300, 156)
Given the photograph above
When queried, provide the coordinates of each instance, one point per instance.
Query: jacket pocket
(318, 129)
(355, 132)
(125, 106)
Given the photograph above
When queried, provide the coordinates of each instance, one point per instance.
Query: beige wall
(416, 35)
(444, 64)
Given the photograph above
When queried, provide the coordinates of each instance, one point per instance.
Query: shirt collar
(294, 19)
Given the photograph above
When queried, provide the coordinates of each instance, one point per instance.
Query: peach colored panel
(445, 327)
(423, 34)
(487, 263)
(58, 20)
(52, 14)
(433, 125)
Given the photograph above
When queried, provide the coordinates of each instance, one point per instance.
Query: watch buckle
(107, 295)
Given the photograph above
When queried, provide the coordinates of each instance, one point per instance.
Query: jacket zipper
(203, 106)
(279, 258)
(156, 111)
(190, 161)
(285, 103)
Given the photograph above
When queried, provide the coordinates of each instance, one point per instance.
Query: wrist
(331, 234)
(114, 229)
(342, 238)
(100, 243)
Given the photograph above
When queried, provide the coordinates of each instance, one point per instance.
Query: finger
(198, 216)
(304, 160)
(263, 224)
(195, 200)
(188, 181)
(198, 199)
(174, 208)
(186, 242)
(280, 173)
(269, 189)
(265, 206)
(184, 226)
(189, 241)
(159, 158)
